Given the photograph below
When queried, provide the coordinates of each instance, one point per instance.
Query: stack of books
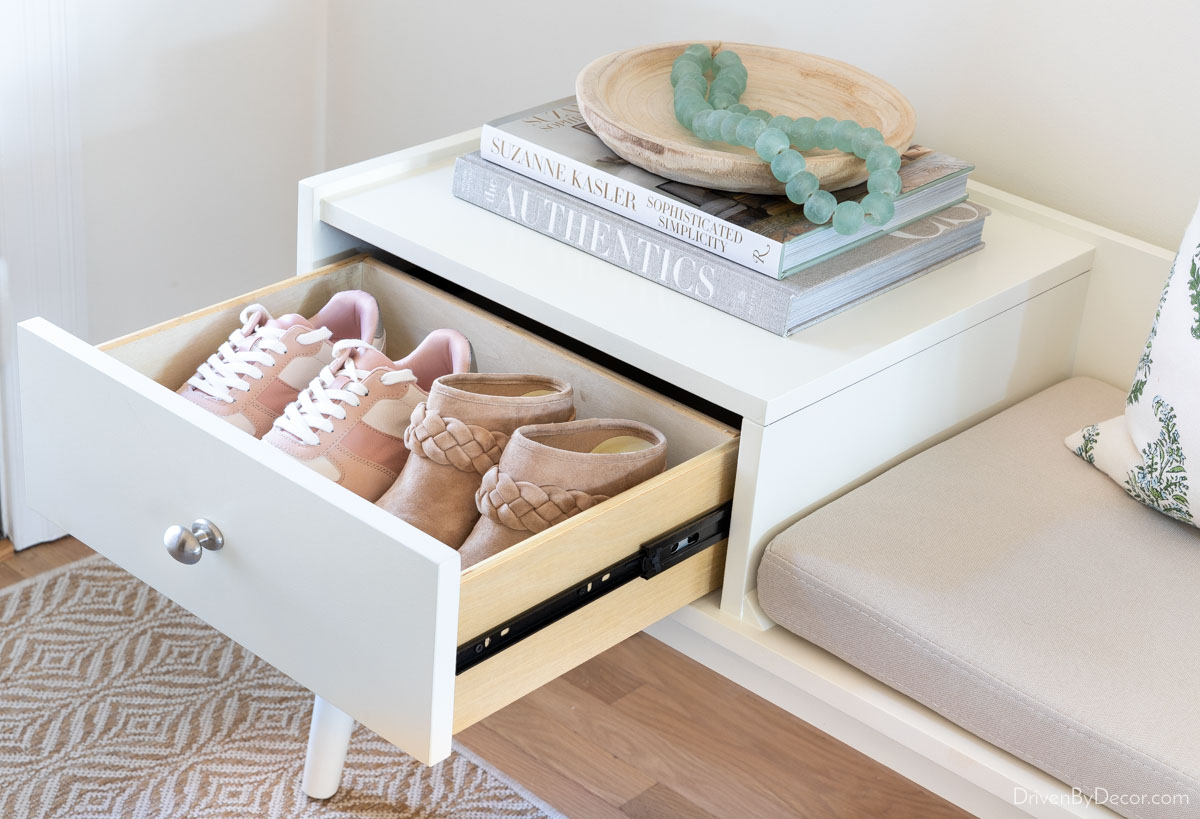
(752, 256)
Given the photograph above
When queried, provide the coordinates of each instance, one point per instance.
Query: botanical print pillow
(1150, 449)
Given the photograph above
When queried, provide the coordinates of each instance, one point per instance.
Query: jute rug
(114, 702)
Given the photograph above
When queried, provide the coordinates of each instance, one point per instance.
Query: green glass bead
(701, 52)
(781, 122)
(683, 68)
(729, 128)
(801, 186)
(801, 132)
(848, 217)
(712, 125)
(770, 143)
(692, 82)
(726, 58)
(865, 141)
(843, 135)
(749, 130)
(823, 131)
(759, 113)
(787, 164)
(884, 156)
(738, 108)
(736, 76)
(678, 73)
(688, 115)
(878, 208)
(731, 85)
(700, 122)
(687, 97)
(818, 208)
(725, 85)
(681, 104)
(687, 108)
(722, 100)
(885, 181)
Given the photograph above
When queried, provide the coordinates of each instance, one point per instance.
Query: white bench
(1008, 585)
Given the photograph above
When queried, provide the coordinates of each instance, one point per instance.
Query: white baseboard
(867, 715)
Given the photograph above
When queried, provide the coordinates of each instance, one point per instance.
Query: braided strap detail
(527, 507)
(450, 442)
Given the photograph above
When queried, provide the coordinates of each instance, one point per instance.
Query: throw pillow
(1151, 448)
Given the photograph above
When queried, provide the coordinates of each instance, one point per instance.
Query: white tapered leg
(328, 741)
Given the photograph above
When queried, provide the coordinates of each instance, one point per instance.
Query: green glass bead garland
(712, 111)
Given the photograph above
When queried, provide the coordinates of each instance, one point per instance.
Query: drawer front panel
(354, 604)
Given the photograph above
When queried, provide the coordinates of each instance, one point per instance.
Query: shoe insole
(537, 393)
(621, 443)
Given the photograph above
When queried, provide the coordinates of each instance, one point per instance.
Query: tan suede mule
(457, 435)
(551, 472)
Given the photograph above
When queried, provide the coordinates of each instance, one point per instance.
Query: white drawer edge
(414, 539)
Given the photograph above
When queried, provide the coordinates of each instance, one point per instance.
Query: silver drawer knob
(187, 545)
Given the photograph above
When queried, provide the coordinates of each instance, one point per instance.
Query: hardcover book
(768, 234)
(780, 306)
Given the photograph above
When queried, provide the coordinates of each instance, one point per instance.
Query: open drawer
(368, 612)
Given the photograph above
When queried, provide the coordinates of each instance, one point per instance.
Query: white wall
(1090, 106)
(197, 120)
(149, 154)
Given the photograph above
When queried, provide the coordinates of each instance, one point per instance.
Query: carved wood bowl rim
(664, 147)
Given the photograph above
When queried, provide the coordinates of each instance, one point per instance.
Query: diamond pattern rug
(115, 702)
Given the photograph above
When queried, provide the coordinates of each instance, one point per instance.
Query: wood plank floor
(642, 731)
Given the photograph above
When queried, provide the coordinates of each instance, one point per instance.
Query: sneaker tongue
(284, 322)
(368, 358)
(288, 321)
(365, 358)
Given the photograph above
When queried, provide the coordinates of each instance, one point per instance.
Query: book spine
(661, 213)
(625, 243)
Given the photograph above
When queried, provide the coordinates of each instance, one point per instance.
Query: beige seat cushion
(1002, 581)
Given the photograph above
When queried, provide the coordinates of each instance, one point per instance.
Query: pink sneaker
(349, 424)
(266, 362)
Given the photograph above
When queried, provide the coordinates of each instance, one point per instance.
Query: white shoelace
(245, 353)
(316, 404)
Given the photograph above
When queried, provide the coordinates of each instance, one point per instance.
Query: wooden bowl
(627, 99)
